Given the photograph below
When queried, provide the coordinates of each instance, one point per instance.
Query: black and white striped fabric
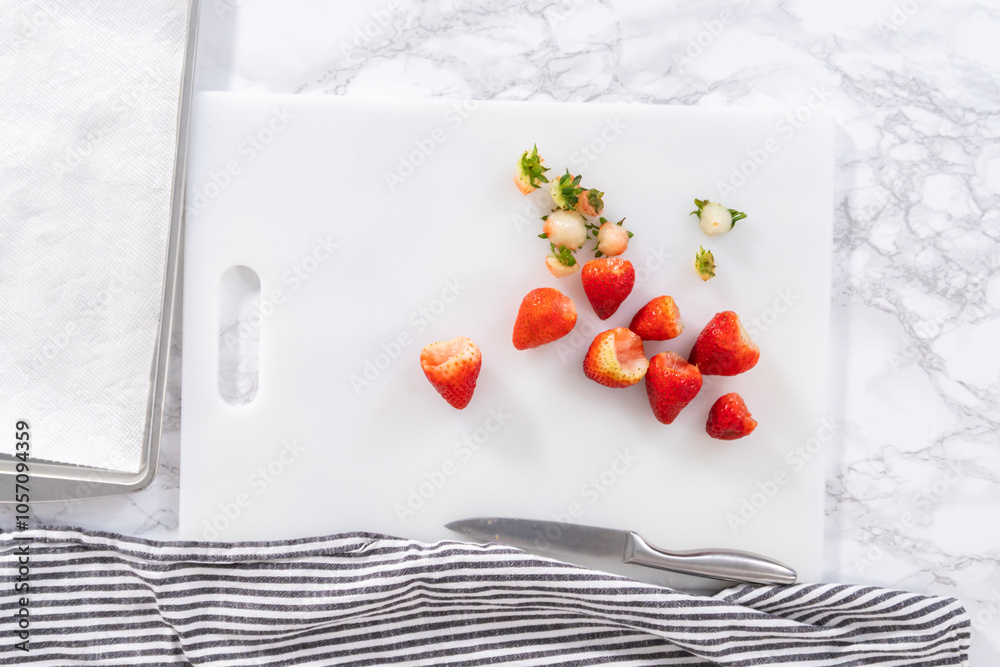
(365, 599)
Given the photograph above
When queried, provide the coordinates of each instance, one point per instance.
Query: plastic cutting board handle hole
(240, 320)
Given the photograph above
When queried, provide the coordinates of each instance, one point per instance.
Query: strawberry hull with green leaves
(612, 238)
(591, 202)
(566, 191)
(704, 264)
(715, 219)
(565, 228)
(530, 173)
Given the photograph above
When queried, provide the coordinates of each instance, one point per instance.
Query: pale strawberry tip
(715, 219)
(565, 228)
(612, 239)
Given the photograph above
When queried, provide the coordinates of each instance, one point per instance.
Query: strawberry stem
(596, 199)
(563, 255)
(704, 262)
(531, 167)
(566, 191)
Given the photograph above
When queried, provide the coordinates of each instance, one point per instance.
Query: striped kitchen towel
(366, 599)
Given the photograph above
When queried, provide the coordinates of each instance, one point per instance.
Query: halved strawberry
(530, 173)
(616, 359)
(671, 383)
(658, 320)
(453, 366)
(729, 419)
(545, 315)
(607, 282)
(724, 347)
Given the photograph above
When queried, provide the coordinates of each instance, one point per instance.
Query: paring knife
(625, 546)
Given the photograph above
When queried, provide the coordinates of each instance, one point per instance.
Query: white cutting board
(450, 250)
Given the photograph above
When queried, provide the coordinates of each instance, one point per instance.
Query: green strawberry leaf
(704, 262)
(563, 255)
(531, 167)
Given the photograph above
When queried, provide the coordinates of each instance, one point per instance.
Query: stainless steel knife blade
(551, 537)
(546, 536)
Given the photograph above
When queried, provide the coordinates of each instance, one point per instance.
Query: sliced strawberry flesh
(437, 354)
(628, 350)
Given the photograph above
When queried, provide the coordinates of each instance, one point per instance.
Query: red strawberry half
(729, 418)
(724, 347)
(607, 282)
(545, 315)
(671, 383)
(452, 366)
(658, 320)
(616, 359)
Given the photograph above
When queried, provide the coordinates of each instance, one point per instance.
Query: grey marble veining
(914, 472)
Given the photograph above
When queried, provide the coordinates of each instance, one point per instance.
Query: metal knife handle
(725, 564)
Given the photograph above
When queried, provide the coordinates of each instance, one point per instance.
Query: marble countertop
(913, 483)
